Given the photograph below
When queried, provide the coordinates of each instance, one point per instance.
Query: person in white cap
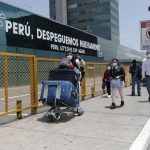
(146, 71)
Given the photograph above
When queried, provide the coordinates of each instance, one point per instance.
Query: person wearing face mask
(146, 71)
(117, 75)
(66, 62)
(78, 66)
(136, 74)
(106, 79)
(69, 55)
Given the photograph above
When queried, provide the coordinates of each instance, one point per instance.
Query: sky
(131, 12)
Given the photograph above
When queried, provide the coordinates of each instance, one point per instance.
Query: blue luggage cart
(61, 96)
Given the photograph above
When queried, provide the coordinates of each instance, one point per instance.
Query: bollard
(92, 91)
(19, 106)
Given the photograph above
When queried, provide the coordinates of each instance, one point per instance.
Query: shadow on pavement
(146, 101)
(104, 96)
(65, 117)
(117, 106)
(132, 96)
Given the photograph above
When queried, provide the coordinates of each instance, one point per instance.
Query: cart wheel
(52, 118)
(80, 111)
(57, 115)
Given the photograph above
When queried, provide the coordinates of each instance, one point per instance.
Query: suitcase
(64, 74)
(60, 93)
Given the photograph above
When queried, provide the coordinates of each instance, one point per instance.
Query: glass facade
(52, 9)
(99, 17)
(15, 37)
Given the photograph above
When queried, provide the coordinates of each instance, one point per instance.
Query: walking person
(146, 71)
(136, 74)
(117, 75)
(106, 79)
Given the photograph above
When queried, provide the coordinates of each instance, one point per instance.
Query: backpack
(65, 63)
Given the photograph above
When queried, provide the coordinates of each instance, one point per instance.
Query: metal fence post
(92, 91)
(6, 82)
(18, 107)
(83, 87)
(33, 85)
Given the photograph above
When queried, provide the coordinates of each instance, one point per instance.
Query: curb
(143, 140)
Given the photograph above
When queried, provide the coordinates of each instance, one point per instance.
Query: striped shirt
(146, 67)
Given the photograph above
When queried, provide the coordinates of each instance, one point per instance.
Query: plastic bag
(115, 83)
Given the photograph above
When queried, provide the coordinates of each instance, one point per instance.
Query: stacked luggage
(64, 74)
(60, 90)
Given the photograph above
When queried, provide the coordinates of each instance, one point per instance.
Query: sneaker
(122, 104)
(104, 92)
(74, 109)
(109, 96)
(113, 106)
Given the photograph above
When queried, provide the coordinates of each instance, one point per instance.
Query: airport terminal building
(24, 32)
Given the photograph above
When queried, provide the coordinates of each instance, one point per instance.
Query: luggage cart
(56, 102)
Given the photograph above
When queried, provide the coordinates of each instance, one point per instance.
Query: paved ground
(100, 128)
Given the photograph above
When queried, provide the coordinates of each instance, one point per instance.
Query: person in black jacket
(117, 75)
(136, 74)
(106, 79)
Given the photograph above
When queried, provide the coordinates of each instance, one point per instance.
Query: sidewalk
(100, 128)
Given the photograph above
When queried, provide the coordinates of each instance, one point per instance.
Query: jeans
(148, 84)
(108, 87)
(77, 99)
(134, 82)
(120, 90)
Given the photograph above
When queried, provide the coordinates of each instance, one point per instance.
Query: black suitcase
(64, 74)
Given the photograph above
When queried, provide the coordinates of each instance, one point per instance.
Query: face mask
(108, 68)
(114, 64)
(148, 56)
(69, 56)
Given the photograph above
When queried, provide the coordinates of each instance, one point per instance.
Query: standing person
(78, 64)
(103, 87)
(136, 73)
(146, 71)
(106, 79)
(117, 74)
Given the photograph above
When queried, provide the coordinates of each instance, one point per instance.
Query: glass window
(102, 17)
(72, 6)
(82, 20)
(103, 0)
(79, 5)
(82, 12)
(71, 1)
(73, 13)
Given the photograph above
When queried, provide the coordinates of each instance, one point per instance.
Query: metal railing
(21, 79)
(17, 82)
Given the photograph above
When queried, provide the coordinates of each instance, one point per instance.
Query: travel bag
(64, 74)
(58, 92)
